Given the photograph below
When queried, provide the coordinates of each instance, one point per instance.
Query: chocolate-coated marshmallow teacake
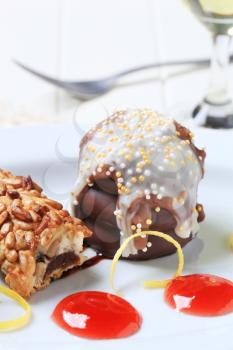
(138, 171)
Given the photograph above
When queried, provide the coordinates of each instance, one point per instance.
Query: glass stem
(218, 91)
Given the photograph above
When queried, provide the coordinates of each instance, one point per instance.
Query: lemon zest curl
(150, 283)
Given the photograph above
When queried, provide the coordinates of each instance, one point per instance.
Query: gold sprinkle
(123, 188)
(129, 145)
(101, 155)
(140, 165)
(91, 148)
(157, 209)
(128, 157)
(141, 178)
(118, 174)
(121, 152)
(148, 162)
(133, 227)
(133, 179)
(148, 221)
(114, 139)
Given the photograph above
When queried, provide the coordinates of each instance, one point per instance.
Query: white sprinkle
(94, 173)
(130, 171)
(162, 188)
(159, 196)
(117, 212)
(128, 184)
(154, 192)
(149, 244)
(99, 170)
(172, 155)
(153, 186)
(147, 172)
(75, 202)
(144, 249)
(138, 230)
(160, 167)
(122, 165)
(108, 173)
(147, 196)
(138, 170)
(121, 233)
(143, 236)
(137, 154)
(146, 191)
(111, 169)
(120, 179)
(139, 225)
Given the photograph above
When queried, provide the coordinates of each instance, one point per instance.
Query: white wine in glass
(216, 109)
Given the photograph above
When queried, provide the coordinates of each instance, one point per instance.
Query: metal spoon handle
(203, 62)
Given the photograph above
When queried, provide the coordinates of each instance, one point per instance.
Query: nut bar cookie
(38, 239)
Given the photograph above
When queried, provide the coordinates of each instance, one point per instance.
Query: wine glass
(216, 109)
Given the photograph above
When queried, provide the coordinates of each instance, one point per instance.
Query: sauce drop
(97, 315)
(200, 294)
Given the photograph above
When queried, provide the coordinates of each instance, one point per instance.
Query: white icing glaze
(150, 159)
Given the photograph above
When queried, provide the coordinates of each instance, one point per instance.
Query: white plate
(48, 155)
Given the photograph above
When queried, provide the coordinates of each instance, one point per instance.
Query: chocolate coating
(97, 208)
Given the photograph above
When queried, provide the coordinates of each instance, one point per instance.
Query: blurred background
(86, 39)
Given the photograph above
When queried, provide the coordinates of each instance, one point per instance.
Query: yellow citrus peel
(149, 284)
(20, 321)
(231, 241)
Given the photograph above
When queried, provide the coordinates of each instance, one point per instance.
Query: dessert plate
(49, 155)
